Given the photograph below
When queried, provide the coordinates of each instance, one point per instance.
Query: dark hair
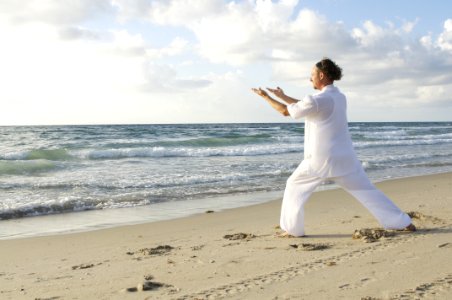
(329, 68)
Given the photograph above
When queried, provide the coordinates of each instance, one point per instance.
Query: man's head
(324, 73)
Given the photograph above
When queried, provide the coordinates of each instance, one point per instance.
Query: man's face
(315, 78)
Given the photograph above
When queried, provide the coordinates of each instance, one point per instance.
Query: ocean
(85, 177)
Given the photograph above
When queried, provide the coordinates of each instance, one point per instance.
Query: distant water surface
(61, 169)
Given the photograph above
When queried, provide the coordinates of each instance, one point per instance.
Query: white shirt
(328, 147)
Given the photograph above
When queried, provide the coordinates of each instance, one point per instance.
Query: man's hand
(260, 92)
(278, 92)
(282, 108)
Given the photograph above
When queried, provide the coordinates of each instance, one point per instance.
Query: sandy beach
(234, 254)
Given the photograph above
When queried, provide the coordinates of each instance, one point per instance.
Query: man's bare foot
(410, 228)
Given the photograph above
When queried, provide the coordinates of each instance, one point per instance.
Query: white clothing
(328, 147)
(301, 184)
(329, 153)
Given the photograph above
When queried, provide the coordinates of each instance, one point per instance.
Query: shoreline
(92, 220)
(234, 254)
(85, 221)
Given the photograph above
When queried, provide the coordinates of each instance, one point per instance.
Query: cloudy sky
(194, 61)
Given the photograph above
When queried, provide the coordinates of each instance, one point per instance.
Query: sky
(195, 61)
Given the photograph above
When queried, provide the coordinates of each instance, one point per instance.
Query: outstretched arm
(278, 106)
(278, 92)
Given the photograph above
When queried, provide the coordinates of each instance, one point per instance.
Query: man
(328, 153)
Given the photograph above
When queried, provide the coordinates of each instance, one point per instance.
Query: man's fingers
(258, 91)
(271, 90)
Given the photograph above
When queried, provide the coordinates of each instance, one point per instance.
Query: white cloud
(426, 41)
(232, 33)
(226, 38)
(409, 26)
(426, 93)
(377, 39)
(80, 32)
(49, 80)
(44, 78)
(271, 14)
(177, 46)
(238, 33)
(183, 12)
(243, 33)
(131, 9)
(164, 79)
(227, 99)
(91, 59)
(445, 38)
(127, 43)
(54, 11)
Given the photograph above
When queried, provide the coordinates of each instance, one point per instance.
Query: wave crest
(37, 154)
(192, 151)
(25, 167)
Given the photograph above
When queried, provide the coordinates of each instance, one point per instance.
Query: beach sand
(234, 254)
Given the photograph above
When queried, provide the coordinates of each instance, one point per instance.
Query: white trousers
(301, 185)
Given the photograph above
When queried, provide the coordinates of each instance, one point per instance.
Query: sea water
(116, 174)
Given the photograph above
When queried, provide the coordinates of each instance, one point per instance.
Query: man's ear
(321, 75)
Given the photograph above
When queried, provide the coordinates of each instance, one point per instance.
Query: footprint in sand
(310, 247)
(197, 248)
(422, 217)
(239, 236)
(357, 284)
(445, 245)
(82, 266)
(159, 250)
(147, 285)
(370, 235)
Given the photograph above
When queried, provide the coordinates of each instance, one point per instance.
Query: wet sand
(234, 254)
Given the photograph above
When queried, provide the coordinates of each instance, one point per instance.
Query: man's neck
(323, 86)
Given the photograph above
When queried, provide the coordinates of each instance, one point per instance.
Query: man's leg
(299, 187)
(380, 206)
